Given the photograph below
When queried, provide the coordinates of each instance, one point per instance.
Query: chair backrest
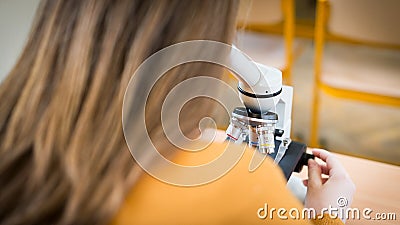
(374, 21)
(260, 12)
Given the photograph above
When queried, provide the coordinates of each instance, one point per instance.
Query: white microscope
(265, 121)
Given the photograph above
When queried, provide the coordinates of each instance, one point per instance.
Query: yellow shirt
(234, 198)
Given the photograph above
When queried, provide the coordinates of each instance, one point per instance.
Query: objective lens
(233, 132)
(266, 138)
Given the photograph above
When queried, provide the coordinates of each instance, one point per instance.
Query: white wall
(15, 20)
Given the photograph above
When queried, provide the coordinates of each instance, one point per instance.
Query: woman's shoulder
(233, 197)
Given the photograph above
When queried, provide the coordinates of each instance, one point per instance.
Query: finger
(324, 169)
(314, 174)
(331, 161)
(324, 180)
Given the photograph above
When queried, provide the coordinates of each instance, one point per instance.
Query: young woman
(63, 157)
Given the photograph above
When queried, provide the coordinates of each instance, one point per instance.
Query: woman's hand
(335, 191)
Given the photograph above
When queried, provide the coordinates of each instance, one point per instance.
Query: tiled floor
(361, 129)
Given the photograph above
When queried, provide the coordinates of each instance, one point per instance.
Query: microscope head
(264, 95)
(259, 86)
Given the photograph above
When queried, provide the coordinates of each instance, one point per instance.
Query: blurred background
(342, 58)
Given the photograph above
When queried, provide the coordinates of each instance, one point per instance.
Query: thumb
(314, 174)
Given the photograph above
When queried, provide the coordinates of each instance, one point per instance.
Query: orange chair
(374, 75)
(268, 16)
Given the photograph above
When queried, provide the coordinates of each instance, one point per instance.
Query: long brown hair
(63, 158)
